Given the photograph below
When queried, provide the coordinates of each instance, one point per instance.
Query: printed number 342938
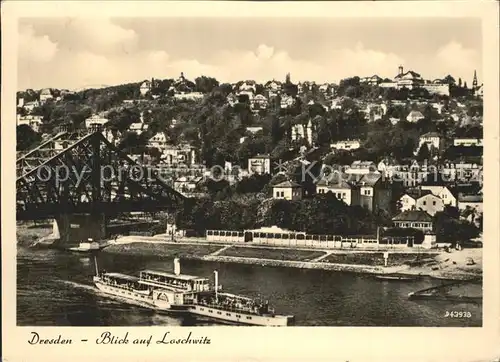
(457, 314)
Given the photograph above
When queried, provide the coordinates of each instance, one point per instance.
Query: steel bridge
(72, 174)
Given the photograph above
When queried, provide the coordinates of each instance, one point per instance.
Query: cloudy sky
(80, 52)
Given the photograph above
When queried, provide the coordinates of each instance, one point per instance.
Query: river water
(54, 288)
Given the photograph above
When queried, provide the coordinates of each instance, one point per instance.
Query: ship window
(202, 308)
(228, 314)
(210, 310)
(240, 233)
(238, 316)
(249, 317)
(277, 236)
(209, 232)
(219, 313)
(235, 233)
(216, 233)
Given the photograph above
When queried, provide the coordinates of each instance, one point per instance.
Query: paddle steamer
(189, 294)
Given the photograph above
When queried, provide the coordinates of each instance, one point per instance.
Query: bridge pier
(79, 228)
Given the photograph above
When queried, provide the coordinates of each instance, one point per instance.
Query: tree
(26, 137)
(423, 153)
(205, 84)
(452, 230)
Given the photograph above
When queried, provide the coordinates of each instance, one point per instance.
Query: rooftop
(287, 184)
(413, 215)
(122, 276)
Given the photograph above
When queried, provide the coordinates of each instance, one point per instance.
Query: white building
(95, 122)
(432, 139)
(443, 193)
(32, 121)
(346, 145)
(300, 131)
(260, 164)
(468, 142)
(430, 203)
(45, 95)
(145, 87)
(159, 141)
(362, 168)
(138, 127)
(414, 116)
(287, 190)
(29, 106)
(287, 101)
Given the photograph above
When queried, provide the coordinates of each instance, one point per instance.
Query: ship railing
(233, 309)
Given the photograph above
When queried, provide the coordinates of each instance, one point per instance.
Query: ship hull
(240, 318)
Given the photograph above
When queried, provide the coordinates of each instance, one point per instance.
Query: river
(54, 288)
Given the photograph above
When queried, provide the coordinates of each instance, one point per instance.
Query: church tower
(474, 81)
(287, 80)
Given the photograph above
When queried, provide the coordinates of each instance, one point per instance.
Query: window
(228, 314)
(277, 194)
(367, 192)
(282, 193)
(219, 313)
(210, 310)
(249, 317)
(434, 203)
(238, 316)
(343, 195)
(424, 203)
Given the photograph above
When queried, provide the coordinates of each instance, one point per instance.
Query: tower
(474, 81)
(287, 80)
(400, 70)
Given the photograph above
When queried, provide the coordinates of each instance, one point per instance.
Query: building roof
(470, 198)
(417, 193)
(430, 134)
(45, 92)
(413, 215)
(260, 156)
(287, 184)
(369, 179)
(415, 113)
(410, 72)
(335, 181)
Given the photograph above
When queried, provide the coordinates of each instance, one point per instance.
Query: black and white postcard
(193, 168)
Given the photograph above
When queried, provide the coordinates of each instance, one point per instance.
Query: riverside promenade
(410, 261)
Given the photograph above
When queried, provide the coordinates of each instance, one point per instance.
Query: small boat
(400, 277)
(86, 247)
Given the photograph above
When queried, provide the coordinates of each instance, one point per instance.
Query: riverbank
(441, 265)
(455, 265)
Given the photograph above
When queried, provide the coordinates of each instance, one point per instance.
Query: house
(416, 219)
(95, 123)
(34, 122)
(187, 184)
(159, 141)
(374, 193)
(287, 190)
(346, 145)
(429, 203)
(29, 106)
(253, 130)
(409, 79)
(338, 186)
(299, 131)
(471, 202)
(273, 87)
(373, 80)
(432, 139)
(138, 127)
(183, 154)
(443, 192)
(260, 164)
(409, 199)
(145, 87)
(259, 102)
(45, 95)
(375, 111)
(468, 142)
(361, 168)
(287, 101)
(414, 116)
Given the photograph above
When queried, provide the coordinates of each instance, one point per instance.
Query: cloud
(99, 51)
(460, 61)
(35, 48)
